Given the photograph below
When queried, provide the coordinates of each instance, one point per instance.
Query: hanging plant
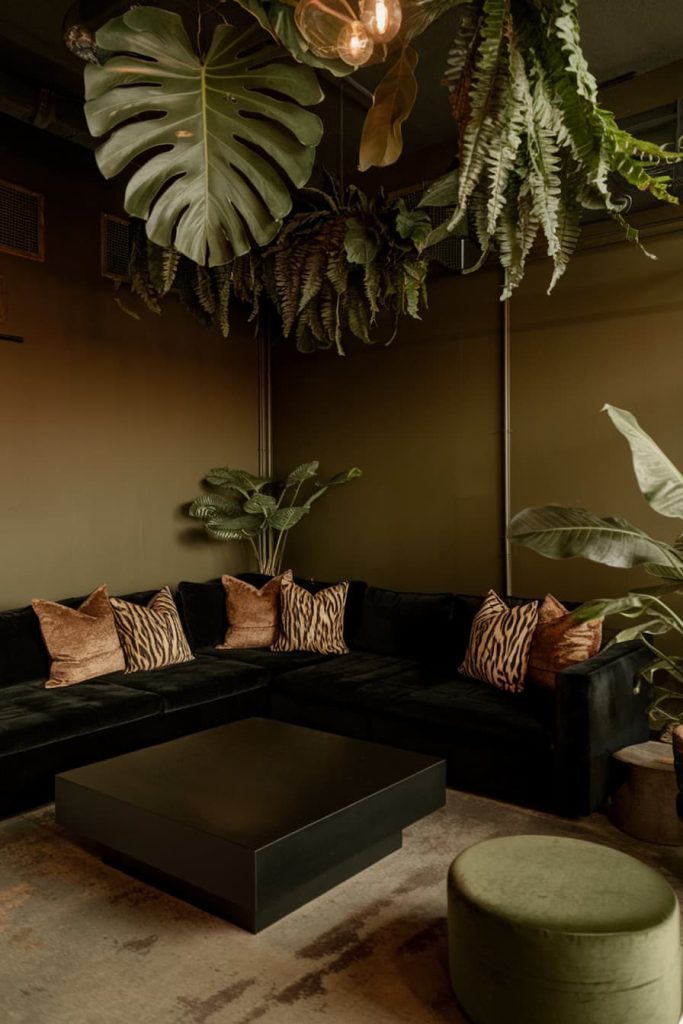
(340, 265)
(210, 191)
(536, 148)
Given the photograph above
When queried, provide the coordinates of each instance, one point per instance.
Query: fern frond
(203, 289)
(486, 99)
(223, 286)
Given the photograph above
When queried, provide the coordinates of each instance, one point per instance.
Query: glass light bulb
(381, 18)
(320, 22)
(354, 45)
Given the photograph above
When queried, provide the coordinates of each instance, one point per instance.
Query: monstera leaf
(210, 191)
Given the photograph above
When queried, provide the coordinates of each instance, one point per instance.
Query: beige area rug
(81, 943)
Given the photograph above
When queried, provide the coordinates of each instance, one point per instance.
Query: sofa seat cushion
(275, 662)
(357, 679)
(31, 716)
(464, 706)
(196, 682)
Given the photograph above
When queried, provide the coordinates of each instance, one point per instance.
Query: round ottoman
(547, 930)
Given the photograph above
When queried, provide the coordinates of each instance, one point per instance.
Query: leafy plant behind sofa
(261, 510)
(558, 532)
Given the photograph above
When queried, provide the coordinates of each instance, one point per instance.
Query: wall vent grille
(115, 247)
(22, 222)
(455, 253)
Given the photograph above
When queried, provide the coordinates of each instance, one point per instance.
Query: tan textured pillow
(152, 636)
(82, 642)
(560, 642)
(253, 613)
(500, 642)
(312, 622)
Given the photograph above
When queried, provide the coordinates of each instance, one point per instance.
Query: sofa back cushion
(204, 613)
(23, 654)
(419, 627)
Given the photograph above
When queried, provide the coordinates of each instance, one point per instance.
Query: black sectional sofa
(398, 685)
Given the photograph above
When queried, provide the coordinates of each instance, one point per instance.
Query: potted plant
(558, 532)
(260, 509)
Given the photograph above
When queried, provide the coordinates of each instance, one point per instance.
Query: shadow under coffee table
(253, 819)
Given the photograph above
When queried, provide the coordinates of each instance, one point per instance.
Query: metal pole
(506, 474)
(265, 403)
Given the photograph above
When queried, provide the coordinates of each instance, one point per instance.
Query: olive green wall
(107, 423)
(610, 332)
(422, 418)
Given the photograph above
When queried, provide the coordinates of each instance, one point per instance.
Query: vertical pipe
(505, 454)
(265, 404)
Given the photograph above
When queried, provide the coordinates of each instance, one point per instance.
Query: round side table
(644, 806)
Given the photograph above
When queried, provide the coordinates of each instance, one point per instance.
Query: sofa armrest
(601, 706)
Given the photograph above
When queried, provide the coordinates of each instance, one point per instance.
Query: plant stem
(256, 551)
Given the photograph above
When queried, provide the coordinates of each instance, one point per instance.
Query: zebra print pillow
(151, 637)
(500, 643)
(312, 622)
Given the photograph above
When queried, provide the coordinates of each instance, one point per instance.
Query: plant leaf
(558, 532)
(210, 192)
(665, 572)
(306, 471)
(413, 224)
(655, 627)
(286, 518)
(344, 477)
(234, 528)
(260, 504)
(210, 506)
(360, 244)
(236, 480)
(660, 482)
(443, 192)
(337, 480)
(382, 139)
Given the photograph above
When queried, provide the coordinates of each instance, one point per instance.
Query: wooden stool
(644, 806)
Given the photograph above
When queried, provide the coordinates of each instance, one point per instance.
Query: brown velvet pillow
(253, 614)
(499, 644)
(560, 642)
(82, 642)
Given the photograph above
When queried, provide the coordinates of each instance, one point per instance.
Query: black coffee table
(250, 820)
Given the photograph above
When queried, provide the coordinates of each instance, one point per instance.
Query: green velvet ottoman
(546, 930)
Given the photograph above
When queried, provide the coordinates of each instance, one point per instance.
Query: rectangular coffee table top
(252, 782)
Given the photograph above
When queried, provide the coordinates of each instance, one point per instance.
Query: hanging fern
(340, 265)
(535, 146)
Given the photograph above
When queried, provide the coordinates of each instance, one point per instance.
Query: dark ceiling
(621, 37)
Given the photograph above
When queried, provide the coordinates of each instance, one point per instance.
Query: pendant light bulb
(354, 45)
(381, 18)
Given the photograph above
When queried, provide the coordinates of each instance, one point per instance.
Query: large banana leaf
(659, 480)
(558, 532)
(211, 191)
